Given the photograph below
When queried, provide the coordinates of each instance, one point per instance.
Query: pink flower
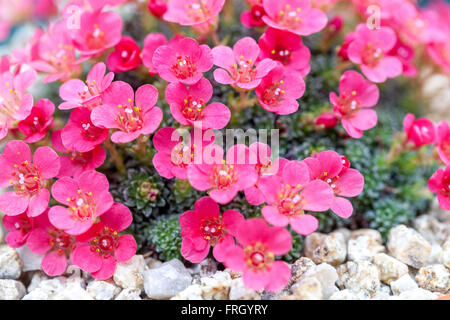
(98, 31)
(255, 255)
(295, 16)
(356, 95)
(279, 90)
(370, 49)
(87, 198)
(157, 7)
(183, 60)
(76, 93)
(125, 57)
(200, 14)
(19, 228)
(405, 54)
(15, 103)
(443, 141)
(253, 18)
(343, 50)
(204, 227)
(223, 178)
(286, 48)
(440, 54)
(328, 120)
(420, 131)
(263, 167)
(54, 243)
(98, 250)
(292, 193)
(189, 105)
(28, 178)
(37, 124)
(174, 155)
(56, 54)
(330, 167)
(238, 66)
(76, 162)
(80, 134)
(119, 111)
(152, 42)
(440, 183)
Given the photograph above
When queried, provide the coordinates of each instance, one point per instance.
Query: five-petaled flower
(204, 227)
(29, 178)
(254, 256)
(419, 132)
(440, 183)
(86, 196)
(133, 115)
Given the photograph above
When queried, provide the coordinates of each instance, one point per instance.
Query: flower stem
(116, 156)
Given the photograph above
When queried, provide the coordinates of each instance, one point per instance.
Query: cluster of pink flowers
(85, 226)
(86, 231)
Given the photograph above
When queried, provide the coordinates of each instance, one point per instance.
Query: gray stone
(129, 294)
(359, 276)
(130, 274)
(166, 280)
(363, 247)
(445, 254)
(10, 263)
(431, 229)
(193, 292)
(390, 269)
(402, 284)
(46, 289)
(330, 249)
(216, 287)
(348, 294)
(102, 290)
(11, 289)
(434, 278)
(30, 260)
(299, 267)
(416, 294)
(238, 291)
(308, 288)
(408, 246)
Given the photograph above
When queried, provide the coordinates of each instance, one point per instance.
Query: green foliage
(297, 248)
(164, 235)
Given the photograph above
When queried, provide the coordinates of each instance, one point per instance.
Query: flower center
(243, 71)
(23, 224)
(90, 131)
(331, 181)
(182, 154)
(183, 67)
(289, 17)
(371, 55)
(89, 94)
(223, 177)
(273, 94)
(258, 257)
(62, 57)
(192, 109)
(257, 12)
(291, 201)
(25, 179)
(83, 206)
(212, 230)
(198, 11)
(446, 186)
(60, 241)
(347, 104)
(10, 100)
(81, 158)
(130, 118)
(105, 242)
(96, 38)
(281, 54)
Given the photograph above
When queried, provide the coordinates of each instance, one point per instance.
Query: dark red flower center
(291, 201)
(281, 54)
(347, 104)
(130, 118)
(372, 55)
(192, 109)
(90, 131)
(212, 230)
(198, 11)
(61, 242)
(243, 71)
(289, 17)
(273, 94)
(105, 242)
(96, 38)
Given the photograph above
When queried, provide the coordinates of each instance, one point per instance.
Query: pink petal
(86, 259)
(278, 277)
(318, 196)
(215, 116)
(234, 258)
(255, 280)
(39, 241)
(254, 196)
(118, 217)
(296, 172)
(223, 196)
(64, 188)
(232, 219)
(223, 57)
(13, 204)
(342, 207)
(146, 96)
(275, 218)
(246, 49)
(47, 162)
(330, 162)
(16, 152)
(222, 76)
(189, 252)
(364, 119)
(304, 224)
(107, 269)
(350, 184)
(60, 218)
(207, 207)
(152, 120)
(93, 181)
(221, 248)
(280, 241)
(39, 202)
(54, 264)
(197, 178)
(126, 248)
